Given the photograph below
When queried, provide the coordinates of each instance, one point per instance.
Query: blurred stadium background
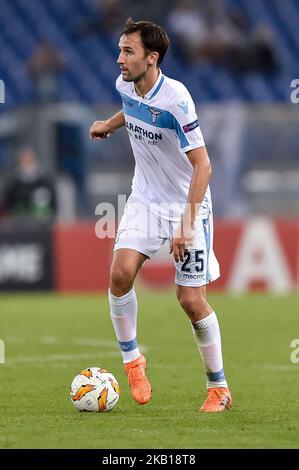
(58, 70)
(239, 59)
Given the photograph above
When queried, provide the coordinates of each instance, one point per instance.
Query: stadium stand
(91, 69)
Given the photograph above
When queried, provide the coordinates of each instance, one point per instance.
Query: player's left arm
(200, 161)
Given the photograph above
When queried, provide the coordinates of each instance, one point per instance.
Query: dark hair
(153, 36)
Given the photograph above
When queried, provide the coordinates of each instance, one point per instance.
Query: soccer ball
(94, 389)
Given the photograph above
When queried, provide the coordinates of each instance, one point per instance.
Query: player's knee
(194, 304)
(121, 277)
(189, 303)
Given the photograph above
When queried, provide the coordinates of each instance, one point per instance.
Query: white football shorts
(146, 231)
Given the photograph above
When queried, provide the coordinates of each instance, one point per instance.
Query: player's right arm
(102, 129)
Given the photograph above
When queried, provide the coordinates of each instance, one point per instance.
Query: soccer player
(170, 200)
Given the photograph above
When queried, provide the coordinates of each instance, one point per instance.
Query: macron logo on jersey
(183, 105)
(190, 127)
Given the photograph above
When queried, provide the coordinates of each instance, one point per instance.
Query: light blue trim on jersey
(165, 120)
(158, 88)
(206, 229)
(128, 345)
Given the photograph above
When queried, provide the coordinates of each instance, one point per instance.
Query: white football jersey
(162, 126)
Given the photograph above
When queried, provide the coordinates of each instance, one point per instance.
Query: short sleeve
(186, 121)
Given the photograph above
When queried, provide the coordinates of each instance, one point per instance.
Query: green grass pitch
(50, 338)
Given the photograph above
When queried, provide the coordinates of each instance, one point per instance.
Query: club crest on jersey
(155, 113)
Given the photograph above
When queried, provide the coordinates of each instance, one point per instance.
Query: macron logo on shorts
(191, 126)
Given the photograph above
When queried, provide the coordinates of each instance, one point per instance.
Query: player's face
(132, 59)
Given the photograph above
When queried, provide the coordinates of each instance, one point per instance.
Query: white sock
(207, 337)
(123, 312)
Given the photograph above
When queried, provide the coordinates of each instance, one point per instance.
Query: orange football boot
(219, 399)
(140, 386)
